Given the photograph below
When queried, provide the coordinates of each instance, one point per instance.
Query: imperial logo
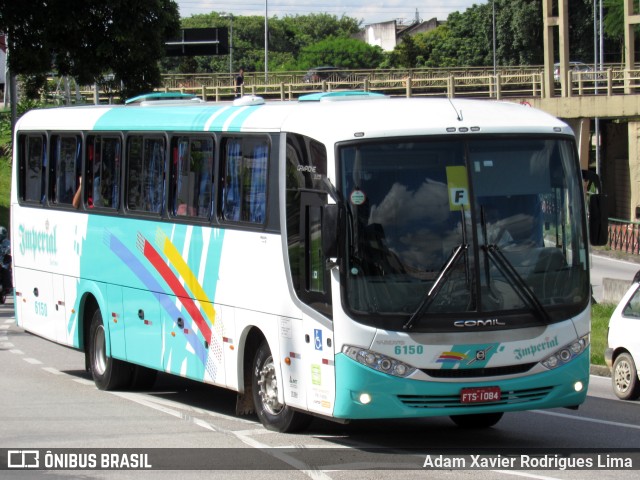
(38, 241)
(490, 322)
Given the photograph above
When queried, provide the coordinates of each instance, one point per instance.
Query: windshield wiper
(432, 293)
(437, 285)
(519, 285)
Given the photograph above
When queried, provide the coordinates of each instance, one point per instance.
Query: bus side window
(66, 158)
(245, 163)
(103, 167)
(145, 174)
(32, 162)
(191, 179)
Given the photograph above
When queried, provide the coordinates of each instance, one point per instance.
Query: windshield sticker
(358, 197)
(458, 187)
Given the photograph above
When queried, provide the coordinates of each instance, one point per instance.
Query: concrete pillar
(617, 140)
(629, 42)
(582, 128)
(550, 22)
(634, 169)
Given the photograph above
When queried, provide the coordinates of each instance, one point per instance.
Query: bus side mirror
(330, 216)
(598, 221)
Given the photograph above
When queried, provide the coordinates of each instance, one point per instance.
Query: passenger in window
(77, 196)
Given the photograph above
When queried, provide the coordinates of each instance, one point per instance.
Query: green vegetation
(5, 167)
(600, 314)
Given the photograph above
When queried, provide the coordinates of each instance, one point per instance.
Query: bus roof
(324, 120)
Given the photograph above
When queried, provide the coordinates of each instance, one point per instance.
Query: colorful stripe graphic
(174, 284)
(451, 357)
(129, 259)
(186, 273)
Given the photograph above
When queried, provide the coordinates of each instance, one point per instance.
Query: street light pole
(230, 17)
(494, 37)
(266, 43)
(231, 45)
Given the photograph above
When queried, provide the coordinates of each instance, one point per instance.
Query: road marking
(53, 370)
(588, 419)
(5, 327)
(84, 381)
(16, 351)
(32, 361)
(11, 320)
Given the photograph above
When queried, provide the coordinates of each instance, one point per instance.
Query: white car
(623, 344)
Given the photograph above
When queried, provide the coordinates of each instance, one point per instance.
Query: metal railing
(624, 236)
(516, 82)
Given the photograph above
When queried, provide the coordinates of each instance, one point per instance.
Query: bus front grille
(509, 397)
(478, 372)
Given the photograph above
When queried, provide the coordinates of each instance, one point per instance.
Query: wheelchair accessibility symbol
(317, 336)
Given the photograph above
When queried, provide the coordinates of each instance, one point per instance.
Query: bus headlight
(378, 362)
(566, 353)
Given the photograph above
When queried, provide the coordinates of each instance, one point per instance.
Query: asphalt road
(49, 403)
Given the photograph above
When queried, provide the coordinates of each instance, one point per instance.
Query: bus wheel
(477, 420)
(108, 373)
(273, 414)
(625, 378)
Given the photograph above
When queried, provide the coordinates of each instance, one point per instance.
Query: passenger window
(244, 163)
(65, 170)
(102, 175)
(32, 160)
(145, 174)
(191, 176)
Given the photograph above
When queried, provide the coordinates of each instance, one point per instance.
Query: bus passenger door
(143, 327)
(320, 380)
(316, 293)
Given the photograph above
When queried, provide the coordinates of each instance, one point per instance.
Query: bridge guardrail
(472, 83)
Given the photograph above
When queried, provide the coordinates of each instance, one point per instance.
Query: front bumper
(393, 397)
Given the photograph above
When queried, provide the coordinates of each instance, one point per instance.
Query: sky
(361, 10)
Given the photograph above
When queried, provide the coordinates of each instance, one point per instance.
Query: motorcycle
(6, 273)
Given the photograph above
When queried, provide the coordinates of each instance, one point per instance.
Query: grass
(5, 167)
(600, 314)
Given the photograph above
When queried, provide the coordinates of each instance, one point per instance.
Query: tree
(288, 36)
(341, 52)
(91, 39)
(467, 37)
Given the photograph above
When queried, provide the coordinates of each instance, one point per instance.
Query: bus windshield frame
(445, 233)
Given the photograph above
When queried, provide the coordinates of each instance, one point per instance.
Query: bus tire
(477, 420)
(273, 414)
(624, 378)
(108, 373)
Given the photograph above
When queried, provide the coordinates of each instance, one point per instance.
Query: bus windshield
(439, 231)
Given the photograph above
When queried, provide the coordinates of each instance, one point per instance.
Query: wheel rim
(268, 387)
(99, 352)
(623, 376)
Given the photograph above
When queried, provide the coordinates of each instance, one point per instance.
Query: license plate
(480, 395)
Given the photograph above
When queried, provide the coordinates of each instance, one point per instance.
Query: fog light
(578, 386)
(365, 398)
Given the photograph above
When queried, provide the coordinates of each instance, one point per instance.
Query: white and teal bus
(346, 255)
